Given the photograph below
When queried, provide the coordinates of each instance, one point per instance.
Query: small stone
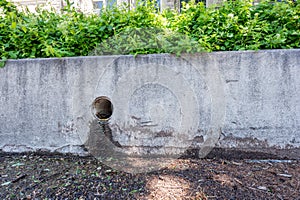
(262, 188)
(285, 175)
(237, 163)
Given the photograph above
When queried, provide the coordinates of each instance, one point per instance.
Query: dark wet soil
(55, 176)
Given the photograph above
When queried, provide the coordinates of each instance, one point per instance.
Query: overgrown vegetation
(235, 25)
(239, 25)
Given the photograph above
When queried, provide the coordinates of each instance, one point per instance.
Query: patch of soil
(54, 176)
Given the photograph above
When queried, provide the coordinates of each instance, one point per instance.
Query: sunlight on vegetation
(235, 25)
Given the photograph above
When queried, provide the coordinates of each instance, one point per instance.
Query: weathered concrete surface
(243, 100)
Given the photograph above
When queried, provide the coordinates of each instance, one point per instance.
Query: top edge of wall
(163, 54)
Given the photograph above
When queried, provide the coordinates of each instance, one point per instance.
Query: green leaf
(2, 62)
(133, 191)
(24, 29)
(13, 25)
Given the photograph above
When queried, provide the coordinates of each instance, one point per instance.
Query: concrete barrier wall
(241, 100)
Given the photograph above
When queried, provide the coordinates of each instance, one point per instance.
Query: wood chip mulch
(34, 176)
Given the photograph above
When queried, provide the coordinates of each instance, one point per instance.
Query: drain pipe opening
(102, 109)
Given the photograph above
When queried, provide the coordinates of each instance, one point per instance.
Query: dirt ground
(56, 176)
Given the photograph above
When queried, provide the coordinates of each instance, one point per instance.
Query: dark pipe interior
(103, 108)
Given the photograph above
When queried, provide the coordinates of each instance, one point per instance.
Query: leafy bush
(147, 40)
(234, 25)
(239, 25)
(71, 33)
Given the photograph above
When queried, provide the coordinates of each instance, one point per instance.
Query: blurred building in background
(94, 6)
(85, 6)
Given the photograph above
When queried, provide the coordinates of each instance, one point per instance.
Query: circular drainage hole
(102, 108)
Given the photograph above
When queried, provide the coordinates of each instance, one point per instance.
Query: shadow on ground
(57, 176)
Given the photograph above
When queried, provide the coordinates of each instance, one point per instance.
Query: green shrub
(234, 25)
(238, 25)
(147, 40)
